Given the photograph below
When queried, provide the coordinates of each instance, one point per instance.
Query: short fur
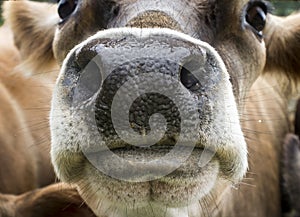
(58, 200)
(282, 37)
(291, 171)
(24, 129)
(291, 166)
(261, 100)
(33, 35)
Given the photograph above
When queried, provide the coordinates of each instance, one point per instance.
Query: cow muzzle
(142, 103)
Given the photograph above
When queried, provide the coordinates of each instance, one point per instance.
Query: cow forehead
(201, 2)
(173, 5)
(198, 4)
(193, 17)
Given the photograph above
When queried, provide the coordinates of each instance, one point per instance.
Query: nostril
(89, 82)
(84, 55)
(116, 10)
(188, 75)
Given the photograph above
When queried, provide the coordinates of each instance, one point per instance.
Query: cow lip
(228, 164)
(200, 180)
(146, 164)
(156, 147)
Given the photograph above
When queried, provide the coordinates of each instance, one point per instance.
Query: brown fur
(291, 167)
(282, 42)
(264, 116)
(24, 129)
(58, 200)
(291, 171)
(152, 20)
(264, 123)
(29, 28)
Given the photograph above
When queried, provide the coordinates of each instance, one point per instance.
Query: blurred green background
(281, 8)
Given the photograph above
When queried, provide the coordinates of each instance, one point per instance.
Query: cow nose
(148, 80)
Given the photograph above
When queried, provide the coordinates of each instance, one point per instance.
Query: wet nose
(141, 83)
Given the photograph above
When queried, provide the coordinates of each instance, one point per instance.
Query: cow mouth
(187, 184)
(139, 164)
(190, 182)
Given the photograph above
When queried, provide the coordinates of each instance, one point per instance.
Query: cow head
(145, 113)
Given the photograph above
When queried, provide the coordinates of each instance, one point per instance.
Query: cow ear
(282, 38)
(33, 25)
(57, 200)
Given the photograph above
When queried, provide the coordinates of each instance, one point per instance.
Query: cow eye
(256, 16)
(66, 8)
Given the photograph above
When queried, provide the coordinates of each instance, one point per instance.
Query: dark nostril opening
(116, 10)
(89, 82)
(187, 75)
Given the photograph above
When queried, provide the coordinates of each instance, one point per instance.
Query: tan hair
(282, 37)
(33, 25)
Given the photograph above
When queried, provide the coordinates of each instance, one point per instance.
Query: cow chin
(187, 184)
(216, 150)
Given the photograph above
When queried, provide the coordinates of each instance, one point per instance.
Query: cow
(165, 108)
(54, 200)
(24, 129)
(291, 167)
(26, 171)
